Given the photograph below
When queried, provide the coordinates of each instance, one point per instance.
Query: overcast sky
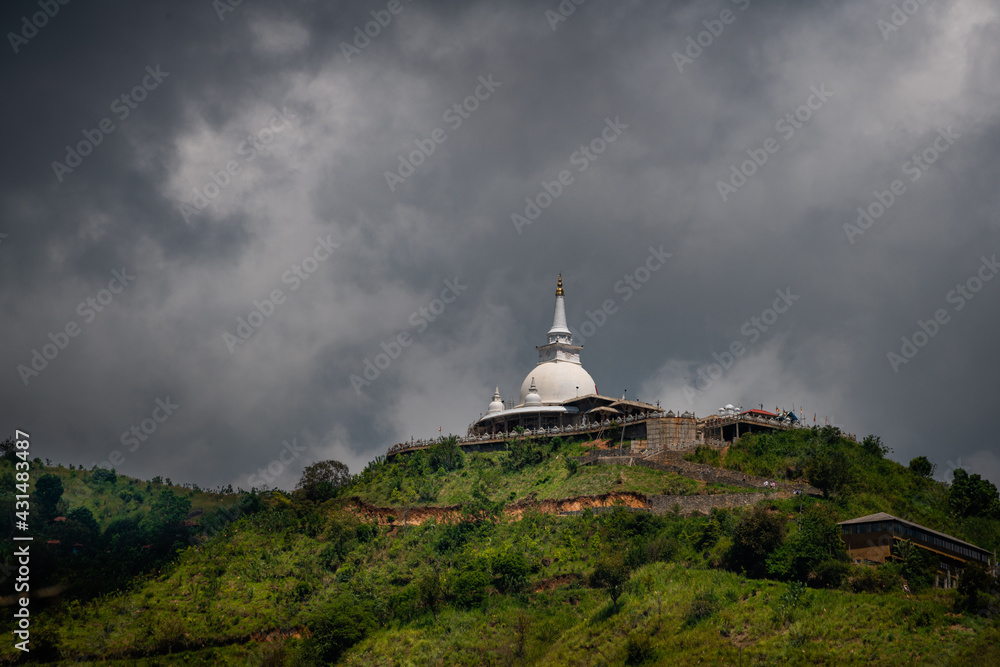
(176, 163)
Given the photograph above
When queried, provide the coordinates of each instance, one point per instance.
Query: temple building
(558, 392)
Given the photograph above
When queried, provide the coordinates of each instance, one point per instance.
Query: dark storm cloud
(268, 138)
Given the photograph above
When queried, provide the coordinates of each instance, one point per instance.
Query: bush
(638, 649)
(662, 549)
(572, 465)
(446, 454)
(469, 589)
(102, 476)
(522, 453)
(611, 574)
(975, 586)
(922, 467)
(703, 605)
(320, 480)
(705, 455)
(866, 579)
(829, 574)
(757, 534)
(341, 625)
(510, 571)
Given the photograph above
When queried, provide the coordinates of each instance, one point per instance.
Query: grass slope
(304, 583)
(547, 479)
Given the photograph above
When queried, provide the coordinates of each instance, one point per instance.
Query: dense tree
(48, 493)
(975, 588)
(522, 453)
(429, 592)
(828, 471)
(163, 525)
(971, 495)
(469, 589)
(611, 574)
(802, 557)
(758, 533)
(103, 476)
(916, 565)
(872, 446)
(510, 571)
(321, 479)
(922, 466)
(446, 454)
(8, 449)
(343, 623)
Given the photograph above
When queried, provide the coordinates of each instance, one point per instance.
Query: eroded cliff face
(657, 504)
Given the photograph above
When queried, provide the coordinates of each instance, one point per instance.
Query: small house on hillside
(869, 539)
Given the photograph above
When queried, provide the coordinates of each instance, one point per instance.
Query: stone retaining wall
(705, 504)
(672, 462)
(687, 505)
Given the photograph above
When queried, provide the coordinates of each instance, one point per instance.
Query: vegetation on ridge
(298, 579)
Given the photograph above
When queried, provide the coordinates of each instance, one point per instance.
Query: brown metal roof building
(869, 540)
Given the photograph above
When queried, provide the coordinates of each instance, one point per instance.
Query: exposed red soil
(453, 513)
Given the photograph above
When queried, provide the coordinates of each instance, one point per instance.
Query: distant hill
(299, 579)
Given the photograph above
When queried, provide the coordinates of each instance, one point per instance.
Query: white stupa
(557, 392)
(559, 375)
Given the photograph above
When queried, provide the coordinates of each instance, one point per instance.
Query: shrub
(446, 454)
(703, 605)
(102, 476)
(612, 574)
(469, 589)
(975, 586)
(320, 480)
(757, 534)
(705, 455)
(922, 467)
(522, 453)
(572, 465)
(343, 623)
(510, 571)
(829, 574)
(638, 649)
(662, 549)
(866, 579)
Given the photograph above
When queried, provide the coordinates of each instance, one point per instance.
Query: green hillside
(299, 579)
(443, 475)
